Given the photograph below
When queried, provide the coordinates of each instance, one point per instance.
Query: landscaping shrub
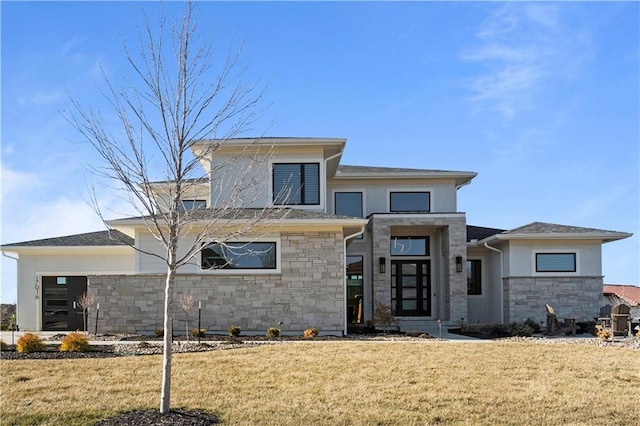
(273, 332)
(159, 332)
(534, 325)
(603, 333)
(310, 333)
(234, 330)
(198, 332)
(75, 342)
(29, 342)
(3, 345)
(520, 330)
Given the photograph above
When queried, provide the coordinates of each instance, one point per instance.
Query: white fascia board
(460, 177)
(48, 250)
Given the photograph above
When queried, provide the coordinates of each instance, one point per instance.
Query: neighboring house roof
(370, 172)
(630, 294)
(90, 239)
(480, 232)
(541, 230)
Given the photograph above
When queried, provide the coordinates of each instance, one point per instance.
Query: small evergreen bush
(273, 332)
(159, 332)
(234, 330)
(75, 342)
(520, 330)
(310, 333)
(3, 345)
(534, 325)
(29, 342)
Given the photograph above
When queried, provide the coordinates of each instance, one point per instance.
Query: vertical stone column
(380, 248)
(456, 245)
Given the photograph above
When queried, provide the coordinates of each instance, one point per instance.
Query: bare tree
(85, 302)
(185, 302)
(178, 112)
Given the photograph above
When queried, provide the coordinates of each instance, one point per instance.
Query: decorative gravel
(618, 342)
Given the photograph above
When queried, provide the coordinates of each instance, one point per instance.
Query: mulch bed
(153, 417)
(53, 352)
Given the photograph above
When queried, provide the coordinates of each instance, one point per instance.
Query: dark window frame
(224, 264)
(276, 196)
(335, 202)
(193, 201)
(474, 277)
(573, 254)
(393, 210)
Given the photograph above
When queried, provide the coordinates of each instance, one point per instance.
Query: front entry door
(60, 310)
(411, 287)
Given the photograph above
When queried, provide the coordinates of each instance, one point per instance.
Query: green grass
(349, 383)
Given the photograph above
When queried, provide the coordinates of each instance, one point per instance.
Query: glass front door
(411, 287)
(60, 310)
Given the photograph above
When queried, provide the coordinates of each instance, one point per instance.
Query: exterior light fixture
(458, 263)
(383, 265)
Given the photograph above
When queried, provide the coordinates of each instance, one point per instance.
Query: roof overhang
(604, 237)
(460, 178)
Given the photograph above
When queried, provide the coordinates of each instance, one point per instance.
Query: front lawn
(426, 382)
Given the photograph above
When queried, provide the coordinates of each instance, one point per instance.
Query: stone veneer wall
(309, 292)
(454, 235)
(570, 297)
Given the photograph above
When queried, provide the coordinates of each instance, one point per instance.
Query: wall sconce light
(383, 264)
(458, 263)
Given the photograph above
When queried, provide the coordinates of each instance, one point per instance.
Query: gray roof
(347, 169)
(552, 228)
(251, 214)
(480, 232)
(90, 239)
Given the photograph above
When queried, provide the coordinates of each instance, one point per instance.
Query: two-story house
(352, 237)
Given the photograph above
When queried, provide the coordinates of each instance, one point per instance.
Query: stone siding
(452, 291)
(309, 292)
(570, 297)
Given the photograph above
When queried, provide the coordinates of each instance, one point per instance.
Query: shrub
(273, 332)
(75, 342)
(310, 333)
(534, 325)
(198, 332)
(520, 330)
(234, 330)
(29, 342)
(383, 315)
(603, 333)
(159, 332)
(3, 345)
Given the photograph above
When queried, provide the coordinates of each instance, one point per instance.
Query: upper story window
(474, 277)
(348, 203)
(296, 183)
(409, 246)
(193, 204)
(409, 202)
(555, 262)
(239, 255)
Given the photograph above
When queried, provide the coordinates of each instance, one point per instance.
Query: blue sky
(541, 99)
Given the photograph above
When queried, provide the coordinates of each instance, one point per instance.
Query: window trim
(417, 256)
(301, 162)
(182, 209)
(576, 265)
(335, 192)
(428, 191)
(245, 271)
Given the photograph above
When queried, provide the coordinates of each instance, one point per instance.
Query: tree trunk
(165, 394)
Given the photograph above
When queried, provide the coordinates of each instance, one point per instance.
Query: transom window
(296, 183)
(474, 277)
(555, 262)
(409, 246)
(193, 204)
(409, 202)
(239, 255)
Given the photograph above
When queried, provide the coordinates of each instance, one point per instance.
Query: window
(409, 202)
(555, 262)
(296, 183)
(354, 288)
(193, 204)
(409, 246)
(474, 277)
(239, 255)
(348, 203)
